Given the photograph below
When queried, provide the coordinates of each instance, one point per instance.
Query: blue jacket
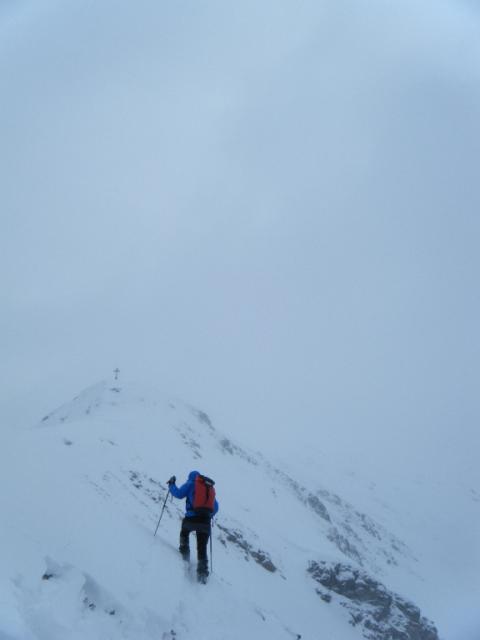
(186, 491)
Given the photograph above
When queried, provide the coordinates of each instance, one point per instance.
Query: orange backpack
(204, 495)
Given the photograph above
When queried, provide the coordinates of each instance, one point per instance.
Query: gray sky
(270, 209)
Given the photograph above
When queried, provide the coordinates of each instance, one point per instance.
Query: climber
(201, 505)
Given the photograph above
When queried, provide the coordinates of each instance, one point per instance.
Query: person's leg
(184, 547)
(202, 565)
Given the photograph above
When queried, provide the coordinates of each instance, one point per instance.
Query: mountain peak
(105, 397)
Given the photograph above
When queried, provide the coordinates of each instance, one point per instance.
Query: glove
(172, 480)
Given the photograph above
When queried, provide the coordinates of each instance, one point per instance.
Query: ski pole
(163, 509)
(211, 547)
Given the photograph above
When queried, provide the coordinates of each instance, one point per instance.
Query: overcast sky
(270, 209)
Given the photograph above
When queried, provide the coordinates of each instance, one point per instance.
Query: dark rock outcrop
(236, 537)
(381, 613)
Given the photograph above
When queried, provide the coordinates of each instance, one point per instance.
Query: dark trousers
(201, 526)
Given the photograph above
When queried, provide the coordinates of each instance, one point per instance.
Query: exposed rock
(150, 488)
(344, 545)
(381, 614)
(317, 505)
(227, 446)
(202, 417)
(186, 435)
(306, 496)
(354, 533)
(236, 537)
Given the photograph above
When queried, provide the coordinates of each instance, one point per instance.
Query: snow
(83, 493)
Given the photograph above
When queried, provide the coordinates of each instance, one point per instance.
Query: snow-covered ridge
(102, 396)
(100, 463)
(355, 534)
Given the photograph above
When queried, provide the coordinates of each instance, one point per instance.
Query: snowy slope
(82, 499)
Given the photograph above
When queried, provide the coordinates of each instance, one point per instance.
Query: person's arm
(179, 492)
(215, 508)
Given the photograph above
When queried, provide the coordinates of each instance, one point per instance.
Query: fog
(268, 209)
